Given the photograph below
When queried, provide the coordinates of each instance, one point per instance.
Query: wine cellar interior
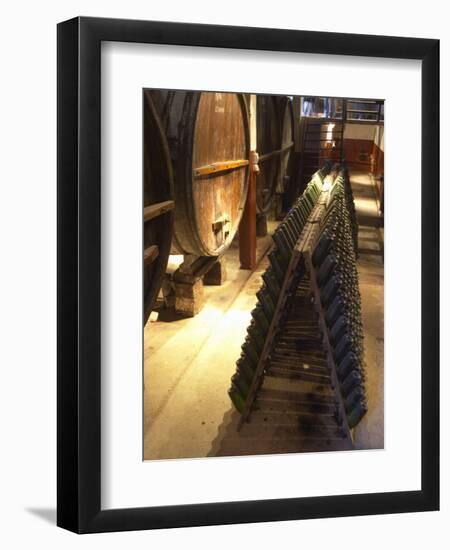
(263, 298)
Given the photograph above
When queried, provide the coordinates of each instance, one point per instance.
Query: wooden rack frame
(301, 253)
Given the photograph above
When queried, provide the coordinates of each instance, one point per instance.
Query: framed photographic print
(248, 303)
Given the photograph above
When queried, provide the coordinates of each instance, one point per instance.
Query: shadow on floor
(361, 189)
(370, 221)
(168, 315)
(263, 436)
(230, 442)
(46, 514)
(371, 241)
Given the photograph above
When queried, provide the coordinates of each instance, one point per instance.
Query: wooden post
(247, 226)
(297, 108)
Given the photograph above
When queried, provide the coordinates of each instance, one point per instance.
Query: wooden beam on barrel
(247, 226)
(217, 167)
(154, 210)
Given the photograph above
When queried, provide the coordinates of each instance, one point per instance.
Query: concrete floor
(369, 434)
(188, 363)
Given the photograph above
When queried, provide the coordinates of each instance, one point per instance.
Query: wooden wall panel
(358, 153)
(378, 161)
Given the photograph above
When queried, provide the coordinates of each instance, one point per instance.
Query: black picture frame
(79, 282)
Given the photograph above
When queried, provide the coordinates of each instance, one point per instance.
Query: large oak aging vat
(158, 204)
(268, 140)
(287, 139)
(208, 137)
(275, 132)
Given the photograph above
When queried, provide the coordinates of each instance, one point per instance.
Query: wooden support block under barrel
(189, 298)
(217, 275)
(193, 268)
(187, 282)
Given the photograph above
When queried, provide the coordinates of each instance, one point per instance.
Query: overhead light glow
(330, 131)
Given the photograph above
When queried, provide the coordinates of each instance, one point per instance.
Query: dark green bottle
(266, 302)
(329, 291)
(353, 397)
(271, 283)
(335, 309)
(350, 382)
(348, 363)
(297, 213)
(256, 337)
(243, 365)
(250, 352)
(321, 250)
(340, 326)
(237, 399)
(278, 265)
(239, 381)
(326, 269)
(260, 319)
(282, 245)
(289, 229)
(357, 413)
(342, 347)
(249, 357)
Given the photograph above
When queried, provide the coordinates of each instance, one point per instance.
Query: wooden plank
(291, 430)
(217, 167)
(282, 417)
(282, 372)
(299, 366)
(309, 357)
(150, 254)
(309, 396)
(294, 360)
(154, 210)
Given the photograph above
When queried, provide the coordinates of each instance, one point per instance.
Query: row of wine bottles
(334, 258)
(284, 238)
